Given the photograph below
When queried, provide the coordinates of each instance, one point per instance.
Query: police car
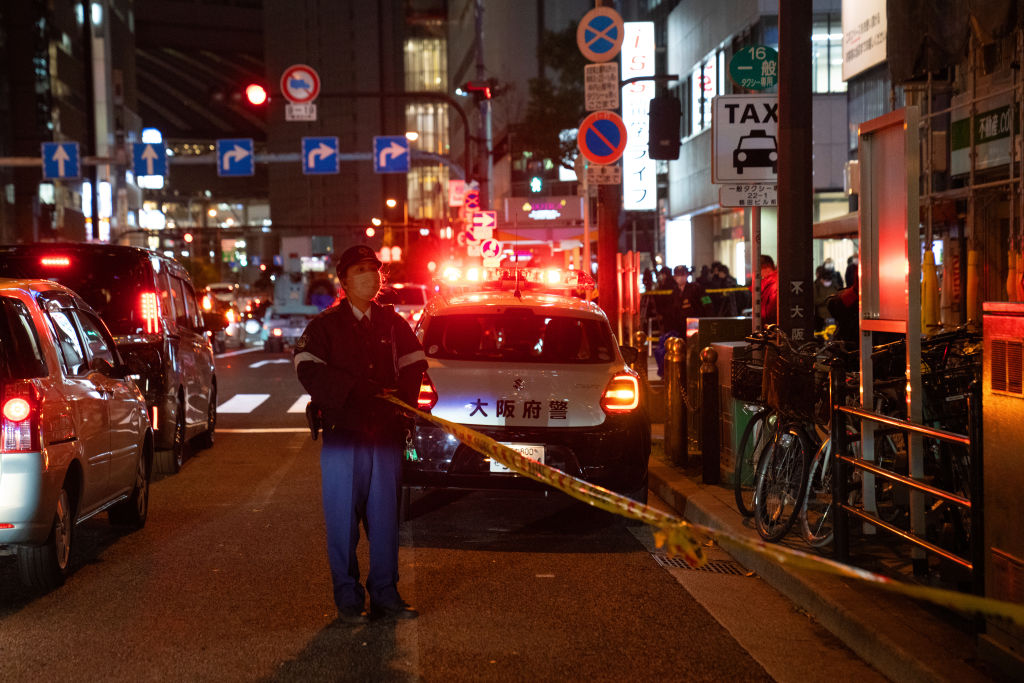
(528, 364)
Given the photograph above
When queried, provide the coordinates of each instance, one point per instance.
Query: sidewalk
(904, 639)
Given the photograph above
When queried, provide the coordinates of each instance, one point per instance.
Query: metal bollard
(675, 423)
(710, 417)
(640, 341)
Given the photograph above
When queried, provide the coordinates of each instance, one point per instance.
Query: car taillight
(19, 418)
(55, 261)
(150, 312)
(229, 315)
(207, 303)
(428, 394)
(621, 395)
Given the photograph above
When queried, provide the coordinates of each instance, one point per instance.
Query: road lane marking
(239, 352)
(300, 404)
(242, 403)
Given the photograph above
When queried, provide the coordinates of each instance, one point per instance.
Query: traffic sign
(60, 160)
(235, 157)
(599, 34)
(751, 194)
(319, 155)
(604, 175)
(601, 86)
(484, 223)
(755, 67)
(602, 137)
(300, 84)
(390, 154)
(471, 200)
(300, 112)
(490, 248)
(744, 142)
(149, 158)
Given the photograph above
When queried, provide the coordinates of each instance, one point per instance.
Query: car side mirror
(629, 353)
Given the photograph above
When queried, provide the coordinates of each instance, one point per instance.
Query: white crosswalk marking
(300, 405)
(242, 403)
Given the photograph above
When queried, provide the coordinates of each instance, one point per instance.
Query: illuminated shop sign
(639, 189)
(543, 210)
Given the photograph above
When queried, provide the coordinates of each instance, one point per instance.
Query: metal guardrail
(973, 442)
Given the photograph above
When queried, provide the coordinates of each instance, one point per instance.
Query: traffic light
(480, 90)
(536, 184)
(256, 94)
(664, 115)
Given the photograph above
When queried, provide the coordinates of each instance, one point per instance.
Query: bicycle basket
(789, 384)
(746, 380)
(946, 393)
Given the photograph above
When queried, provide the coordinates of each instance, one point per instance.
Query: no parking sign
(602, 137)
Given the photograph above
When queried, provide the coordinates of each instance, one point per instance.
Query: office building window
(827, 55)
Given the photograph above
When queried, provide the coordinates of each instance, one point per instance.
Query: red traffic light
(478, 89)
(256, 94)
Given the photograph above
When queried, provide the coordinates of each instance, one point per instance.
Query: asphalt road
(229, 582)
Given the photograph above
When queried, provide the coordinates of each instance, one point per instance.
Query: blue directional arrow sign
(390, 154)
(235, 157)
(149, 158)
(319, 155)
(60, 160)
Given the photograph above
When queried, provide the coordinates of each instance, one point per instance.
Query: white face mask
(365, 285)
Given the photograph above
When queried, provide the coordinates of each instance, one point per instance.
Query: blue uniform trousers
(360, 480)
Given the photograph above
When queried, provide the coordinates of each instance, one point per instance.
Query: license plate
(527, 450)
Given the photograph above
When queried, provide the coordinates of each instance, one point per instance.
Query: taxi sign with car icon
(522, 360)
(756, 150)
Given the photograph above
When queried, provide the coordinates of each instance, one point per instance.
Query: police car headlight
(621, 395)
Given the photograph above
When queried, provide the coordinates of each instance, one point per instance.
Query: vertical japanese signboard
(639, 191)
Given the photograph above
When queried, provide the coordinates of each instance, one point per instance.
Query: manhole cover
(716, 566)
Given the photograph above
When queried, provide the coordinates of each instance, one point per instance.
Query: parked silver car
(75, 436)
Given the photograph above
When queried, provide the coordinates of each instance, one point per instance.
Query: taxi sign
(744, 140)
(755, 67)
(599, 34)
(602, 137)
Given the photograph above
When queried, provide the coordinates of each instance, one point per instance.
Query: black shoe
(398, 610)
(353, 615)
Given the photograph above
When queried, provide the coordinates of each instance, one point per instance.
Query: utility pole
(796, 190)
(486, 162)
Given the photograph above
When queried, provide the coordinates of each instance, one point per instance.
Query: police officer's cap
(354, 255)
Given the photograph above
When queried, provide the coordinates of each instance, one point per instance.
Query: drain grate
(715, 566)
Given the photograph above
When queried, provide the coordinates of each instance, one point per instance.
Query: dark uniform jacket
(344, 364)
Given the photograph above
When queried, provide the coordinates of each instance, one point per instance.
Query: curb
(903, 639)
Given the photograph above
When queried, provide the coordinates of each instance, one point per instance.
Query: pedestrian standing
(348, 357)
(769, 290)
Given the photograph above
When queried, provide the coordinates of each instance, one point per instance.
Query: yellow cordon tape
(682, 538)
(673, 534)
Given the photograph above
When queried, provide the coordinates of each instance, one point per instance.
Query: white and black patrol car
(535, 369)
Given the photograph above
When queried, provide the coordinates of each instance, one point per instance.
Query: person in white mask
(348, 357)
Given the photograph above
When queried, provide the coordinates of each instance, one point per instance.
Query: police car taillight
(19, 417)
(428, 394)
(621, 395)
(150, 311)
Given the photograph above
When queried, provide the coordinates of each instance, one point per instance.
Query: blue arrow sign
(60, 160)
(390, 154)
(319, 155)
(235, 157)
(149, 158)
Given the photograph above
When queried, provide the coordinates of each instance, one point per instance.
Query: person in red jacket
(769, 290)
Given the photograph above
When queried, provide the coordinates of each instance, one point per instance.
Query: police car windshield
(402, 296)
(519, 336)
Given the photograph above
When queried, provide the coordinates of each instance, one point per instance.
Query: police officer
(349, 356)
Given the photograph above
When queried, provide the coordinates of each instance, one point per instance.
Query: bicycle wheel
(780, 485)
(757, 436)
(817, 517)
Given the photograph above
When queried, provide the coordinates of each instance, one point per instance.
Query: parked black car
(149, 304)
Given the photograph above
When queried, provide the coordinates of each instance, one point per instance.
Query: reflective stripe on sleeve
(409, 358)
(306, 356)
